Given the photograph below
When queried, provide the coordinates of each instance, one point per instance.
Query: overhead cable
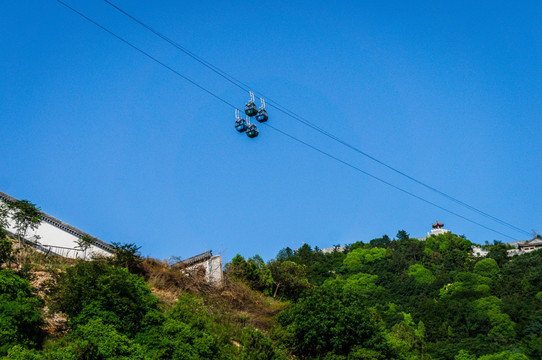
(276, 129)
(272, 103)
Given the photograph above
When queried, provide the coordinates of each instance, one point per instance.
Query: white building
(478, 251)
(437, 229)
(211, 265)
(58, 238)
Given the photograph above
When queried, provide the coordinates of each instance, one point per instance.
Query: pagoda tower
(438, 228)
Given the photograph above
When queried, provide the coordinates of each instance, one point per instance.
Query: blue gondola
(262, 116)
(252, 131)
(240, 124)
(262, 113)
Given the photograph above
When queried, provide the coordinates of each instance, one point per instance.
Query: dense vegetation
(404, 299)
(386, 299)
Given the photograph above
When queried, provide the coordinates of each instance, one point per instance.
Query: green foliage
(257, 346)
(400, 299)
(488, 268)
(125, 255)
(360, 284)
(382, 242)
(402, 235)
(467, 285)
(96, 340)
(85, 242)
(408, 338)
(4, 216)
(5, 248)
(421, 274)
(503, 329)
(290, 278)
(355, 260)
(464, 355)
(330, 320)
(95, 290)
(505, 355)
(25, 215)
(252, 271)
(189, 332)
(20, 316)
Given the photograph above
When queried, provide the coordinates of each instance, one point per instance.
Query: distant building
(55, 237)
(437, 229)
(211, 265)
(522, 247)
(478, 251)
(332, 249)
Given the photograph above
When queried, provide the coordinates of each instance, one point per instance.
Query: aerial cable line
(278, 130)
(384, 181)
(147, 55)
(241, 85)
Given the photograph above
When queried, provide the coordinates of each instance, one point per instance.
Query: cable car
(262, 113)
(240, 124)
(250, 107)
(252, 130)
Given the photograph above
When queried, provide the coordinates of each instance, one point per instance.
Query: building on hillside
(437, 229)
(211, 265)
(57, 238)
(478, 251)
(333, 249)
(522, 247)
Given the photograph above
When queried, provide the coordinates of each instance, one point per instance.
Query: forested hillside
(404, 299)
(386, 299)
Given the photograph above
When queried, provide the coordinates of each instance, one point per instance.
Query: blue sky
(111, 142)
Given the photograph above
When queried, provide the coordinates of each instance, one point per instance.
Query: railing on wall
(64, 226)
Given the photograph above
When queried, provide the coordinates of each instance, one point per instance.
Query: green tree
(254, 272)
(421, 274)
(330, 320)
(95, 290)
(126, 255)
(488, 268)
(20, 316)
(4, 216)
(26, 216)
(289, 277)
(356, 259)
(6, 249)
(402, 235)
(86, 241)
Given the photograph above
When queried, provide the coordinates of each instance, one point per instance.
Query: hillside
(387, 299)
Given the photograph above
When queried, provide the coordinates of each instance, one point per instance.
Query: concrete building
(212, 265)
(437, 229)
(478, 251)
(55, 237)
(523, 247)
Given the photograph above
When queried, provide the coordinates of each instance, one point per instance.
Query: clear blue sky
(107, 140)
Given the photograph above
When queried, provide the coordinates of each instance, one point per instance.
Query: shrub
(20, 316)
(95, 290)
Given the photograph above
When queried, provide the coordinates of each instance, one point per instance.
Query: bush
(5, 248)
(185, 333)
(20, 316)
(95, 290)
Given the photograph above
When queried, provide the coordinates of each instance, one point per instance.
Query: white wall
(62, 242)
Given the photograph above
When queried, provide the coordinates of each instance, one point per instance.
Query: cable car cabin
(251, 109)
(240, 125)
(262, 116)
(252, 131)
